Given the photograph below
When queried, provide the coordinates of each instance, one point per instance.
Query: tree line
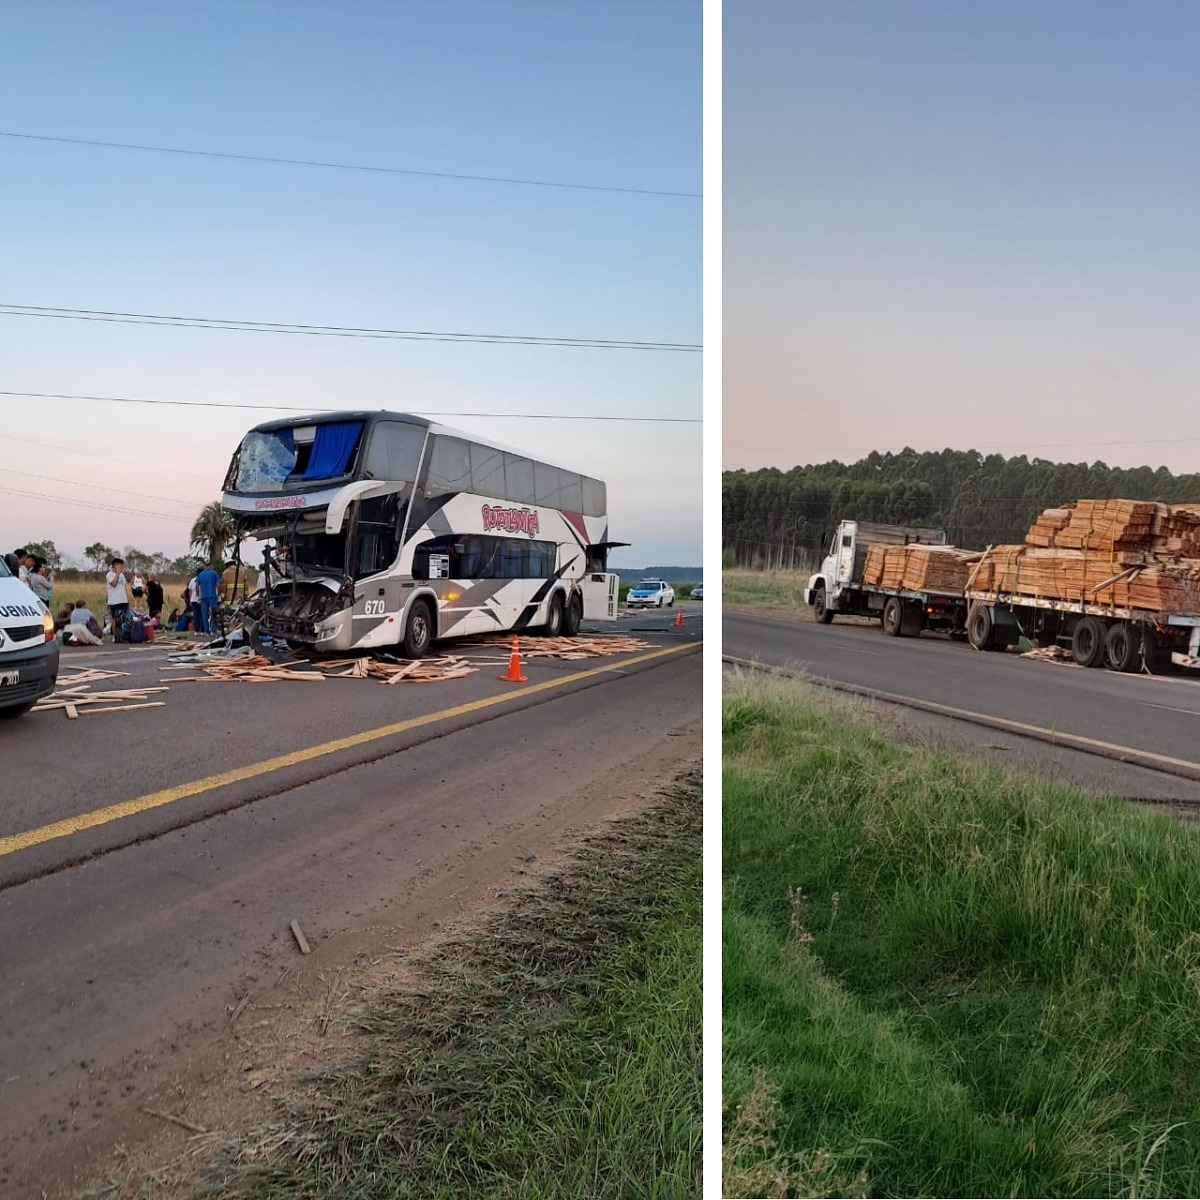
(772, 518)
(212, 532)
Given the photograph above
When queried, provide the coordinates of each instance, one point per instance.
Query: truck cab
(837, 586)
(28, 651)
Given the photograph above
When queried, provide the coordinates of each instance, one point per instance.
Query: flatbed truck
(838, 588)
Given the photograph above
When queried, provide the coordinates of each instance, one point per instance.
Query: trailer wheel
(1155, 656)
(893, 617)
(821, 608)
(1087, 642)
(980, 627)
(1123, 647)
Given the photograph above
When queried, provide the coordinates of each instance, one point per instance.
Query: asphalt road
(150, 862)
(1150, 715)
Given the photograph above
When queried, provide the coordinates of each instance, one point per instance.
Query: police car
(651, 593)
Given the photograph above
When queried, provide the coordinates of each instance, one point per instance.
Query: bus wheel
(1087, 642)
(554, 618)
(573, 617)
(1122, 648)
(418, 630)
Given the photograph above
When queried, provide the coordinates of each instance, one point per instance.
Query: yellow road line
(129, 808)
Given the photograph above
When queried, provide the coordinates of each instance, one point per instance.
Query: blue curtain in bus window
(332, 447)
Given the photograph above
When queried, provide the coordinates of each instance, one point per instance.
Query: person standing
(209, 581)
(138, 585)
(154, 595)
(118, 593)
(193, 597)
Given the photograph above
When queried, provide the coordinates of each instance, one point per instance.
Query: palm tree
(213, 530)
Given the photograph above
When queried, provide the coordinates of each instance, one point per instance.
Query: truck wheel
(980, 627)
(1155, 656)
(893, 617)
(1123, 647)
(821, 608)
(913, 619)
(1087, 642)
(418, 630)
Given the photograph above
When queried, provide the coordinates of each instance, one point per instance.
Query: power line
(345, 331)
(508, 416)
(12, 437)
(101, 487)
(337, 166)
(134, 512)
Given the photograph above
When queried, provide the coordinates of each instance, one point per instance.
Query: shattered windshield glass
(265, 461)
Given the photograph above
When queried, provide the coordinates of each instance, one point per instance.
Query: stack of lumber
(918, 568)
(1131, 531)
(1124, 553)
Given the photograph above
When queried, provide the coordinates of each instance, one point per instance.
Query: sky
(595, 112)
(961, 225)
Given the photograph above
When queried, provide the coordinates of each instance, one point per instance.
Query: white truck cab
(838, 585)
(28, 651)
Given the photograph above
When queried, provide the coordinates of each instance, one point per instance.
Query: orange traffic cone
(679, 618)
(514, 665)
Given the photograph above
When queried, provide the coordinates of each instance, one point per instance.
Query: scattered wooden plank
(124, 707)
(72, 712)
(301, 940)
(174, 1120)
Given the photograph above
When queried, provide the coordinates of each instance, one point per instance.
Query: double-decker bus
(387, 530)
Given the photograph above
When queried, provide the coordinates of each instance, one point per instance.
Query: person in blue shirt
(208, 580)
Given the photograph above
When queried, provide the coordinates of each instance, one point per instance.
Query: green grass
(765, 589)
(942, 980)
(553, 1051)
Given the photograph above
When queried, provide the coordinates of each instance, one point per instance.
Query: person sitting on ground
(83, 627)
(63, 617)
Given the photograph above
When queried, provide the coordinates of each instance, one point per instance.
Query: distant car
(651, 593)
(697, 593)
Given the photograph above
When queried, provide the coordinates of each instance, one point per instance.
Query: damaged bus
(388, 530)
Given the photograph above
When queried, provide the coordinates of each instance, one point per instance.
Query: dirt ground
(169, 1107)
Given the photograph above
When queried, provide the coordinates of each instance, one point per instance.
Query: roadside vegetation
(551, 1049)
(765, 589)
(941, 980)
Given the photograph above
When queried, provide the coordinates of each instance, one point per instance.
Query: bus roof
(377, 414)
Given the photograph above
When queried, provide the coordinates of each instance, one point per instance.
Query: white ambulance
(28, 651)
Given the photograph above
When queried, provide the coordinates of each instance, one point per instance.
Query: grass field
(765, 589)
(552, 1050)
(943, 981)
